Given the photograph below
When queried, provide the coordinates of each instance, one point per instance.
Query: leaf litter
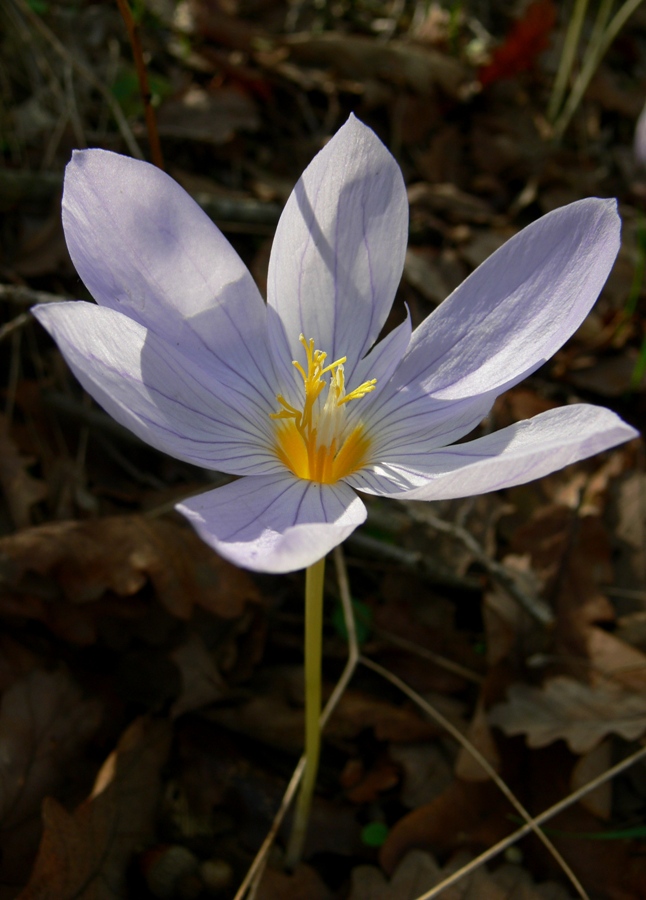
(120, 629)
(85, 854)
(569, 710)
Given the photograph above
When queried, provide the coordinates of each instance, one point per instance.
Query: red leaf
(527, 38)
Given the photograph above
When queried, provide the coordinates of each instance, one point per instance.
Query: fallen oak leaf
(275, 716)
(565, 709)
(615, 661)
(472, 812)
(84, 855)
(81, 562)
(44, 720)
(44, 724)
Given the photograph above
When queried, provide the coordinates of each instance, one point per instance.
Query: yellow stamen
(314, 442)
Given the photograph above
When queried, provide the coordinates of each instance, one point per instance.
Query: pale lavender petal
(380, 363)
(144, 247)
(640, 138)
(513, 455)
(146, 385)
(410, 419)
(274, 523)
(518, 307)
(339, 249)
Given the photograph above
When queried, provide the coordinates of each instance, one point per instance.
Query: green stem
(593, 56)
(313, 655)
(567, 58)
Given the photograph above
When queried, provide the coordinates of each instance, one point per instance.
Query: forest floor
(151, 710)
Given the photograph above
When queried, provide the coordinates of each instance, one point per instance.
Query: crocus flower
(294, 394)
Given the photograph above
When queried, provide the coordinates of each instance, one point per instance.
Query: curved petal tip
(274, 524)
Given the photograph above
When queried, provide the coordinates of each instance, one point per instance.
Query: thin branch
(532, 604)
(593, 57)
(424, 653)
(15, 324)
(545, 816)
(26, 296)
(568, 55)
(144, 86)
(87, 74)
(482, 761)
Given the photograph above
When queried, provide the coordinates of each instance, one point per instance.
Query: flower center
(315, 442)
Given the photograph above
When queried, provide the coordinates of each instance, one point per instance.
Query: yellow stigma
(315, 442)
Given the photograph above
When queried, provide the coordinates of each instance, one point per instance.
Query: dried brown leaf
(631, 532)
(21, 489)
(357, 711)
(302, 884)
(276, 715)
(569, 710)
(589, 766)
(44, 721)
(481, 739)
(571, 556)
(44, 724)
(426, 771)
(611, 376)
(201, 680)
(418, 872)
(211, 117)
(615, 661)
(466, 813)
(84, 855)
(81, 562)
(382, 776)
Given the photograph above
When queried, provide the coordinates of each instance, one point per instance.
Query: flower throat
(314, 442)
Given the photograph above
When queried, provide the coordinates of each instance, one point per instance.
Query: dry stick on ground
(545, 816)
(144, 87)
(412, 561)
(86, 73)
(15, 325)
(17, 294)
(592, 58)
(253, 876)
(25, 296)
(536, 607)
(51, 79)
(488, 768)
(424, 653)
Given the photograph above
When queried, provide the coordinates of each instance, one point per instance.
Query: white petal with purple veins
(275, 524)
(144, 247)
(518, 307)
(156, 393)
(513, 455)
(339, 250)
(183, 351)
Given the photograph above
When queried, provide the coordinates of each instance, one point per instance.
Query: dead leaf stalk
(457, 735)
(532, 604)
(545, 816)
(149, 111)
(85, 72)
